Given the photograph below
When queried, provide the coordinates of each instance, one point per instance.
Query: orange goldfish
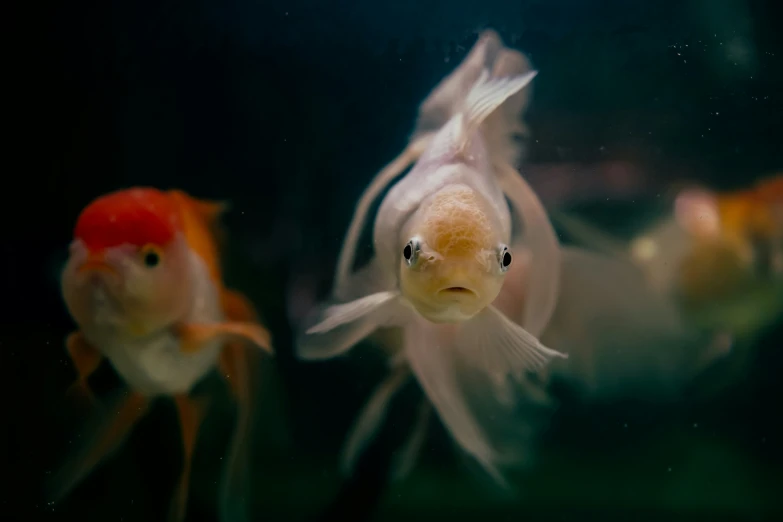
(143, 283)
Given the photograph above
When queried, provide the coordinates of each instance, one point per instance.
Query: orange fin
(240, 365)
(193, 336)
(108, 429)
(190, 413)
(87, 359)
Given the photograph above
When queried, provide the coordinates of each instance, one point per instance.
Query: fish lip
(96, 266)
(457, 290)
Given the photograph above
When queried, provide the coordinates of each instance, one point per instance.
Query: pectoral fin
(339, 327)
(194, 336)
(466, 371)
(87, 359)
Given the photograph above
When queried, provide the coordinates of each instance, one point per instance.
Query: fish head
(454, 263)
(128, 263)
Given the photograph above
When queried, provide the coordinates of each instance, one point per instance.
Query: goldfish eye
(151, 256)
(505, 258)
(411, 251)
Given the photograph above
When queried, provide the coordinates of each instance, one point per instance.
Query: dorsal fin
(203, 227)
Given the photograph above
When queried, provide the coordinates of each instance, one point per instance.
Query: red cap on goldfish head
(137, 216)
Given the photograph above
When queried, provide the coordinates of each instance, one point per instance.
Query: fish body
(143, 282)
(441, 255)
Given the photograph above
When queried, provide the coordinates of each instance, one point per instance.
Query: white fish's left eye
(504, 258)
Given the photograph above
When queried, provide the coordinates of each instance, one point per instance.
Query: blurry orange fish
(717, 261)
(143, 283)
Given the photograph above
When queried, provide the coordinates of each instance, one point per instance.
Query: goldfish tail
(486, 97)
(448, 96)
(109, 427)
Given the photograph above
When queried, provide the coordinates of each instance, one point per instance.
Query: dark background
(286, 109)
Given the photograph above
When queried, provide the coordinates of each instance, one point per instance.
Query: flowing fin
(106, 431)
(193, 336)
(405, 460)
(240, 365)
(543, 282)
(341, 326)
(371, 418)
(203, 229)
(485, 98)
(347, 255)
(87, 359)
(504, 347)
(505, 129)
(447, 97)
(471, 374)
(435, 365)
(190, 413)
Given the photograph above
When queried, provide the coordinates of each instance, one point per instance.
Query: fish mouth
(457, 292)
(94, 265)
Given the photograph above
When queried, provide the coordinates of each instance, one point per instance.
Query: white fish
(441, 254)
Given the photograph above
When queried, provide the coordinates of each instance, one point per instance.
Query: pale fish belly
(160, 367)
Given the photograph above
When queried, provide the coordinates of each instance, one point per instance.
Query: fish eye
(411, 251)
(505, 258)
(151, 256)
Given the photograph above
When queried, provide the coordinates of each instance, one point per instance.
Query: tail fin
(446, 98)
(486, 97)
(504, 129)
(501, 127)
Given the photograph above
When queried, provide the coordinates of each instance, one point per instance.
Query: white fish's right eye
(411, 251)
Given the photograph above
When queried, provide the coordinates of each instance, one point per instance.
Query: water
(287, 110)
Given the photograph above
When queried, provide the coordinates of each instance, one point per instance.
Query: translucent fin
(447, 97)
(465, 371)
(405, 460)
(105, 432)
(486, 97)
(348, 253)
(371, 418)
(505, 129)
(543, 282)
(339, 327)
(503, 347)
